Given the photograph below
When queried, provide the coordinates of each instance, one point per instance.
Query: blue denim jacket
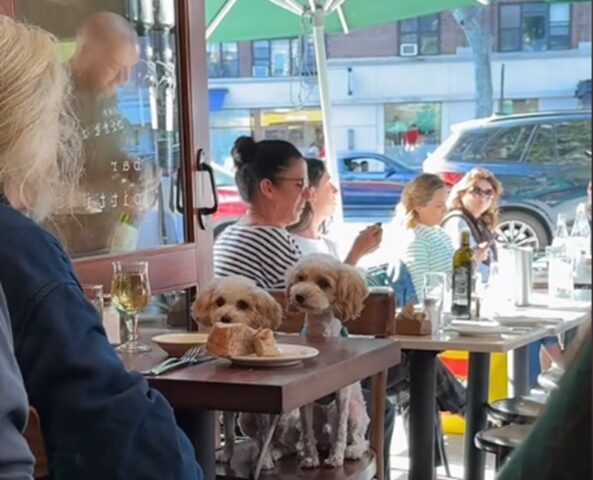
(99, 421)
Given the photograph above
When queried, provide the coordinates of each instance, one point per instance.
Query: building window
(283, 57)
(534, 27)
(424, 32)
(223, 60)
(519, 105)
(412, 131)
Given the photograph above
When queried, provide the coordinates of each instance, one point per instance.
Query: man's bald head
(106, 50)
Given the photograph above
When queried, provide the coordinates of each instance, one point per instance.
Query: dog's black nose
(299, 298)
(226, 319)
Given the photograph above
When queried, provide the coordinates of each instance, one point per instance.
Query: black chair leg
(441, 445)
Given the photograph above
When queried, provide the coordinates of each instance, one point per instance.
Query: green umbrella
(241, 20)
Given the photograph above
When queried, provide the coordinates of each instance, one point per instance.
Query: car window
(573, 138)
(491, 145)
(543, 146)
(364, 165)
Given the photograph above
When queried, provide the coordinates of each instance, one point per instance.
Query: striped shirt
(427, 249)
(263, 254)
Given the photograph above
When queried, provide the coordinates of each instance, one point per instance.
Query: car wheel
(522, 230)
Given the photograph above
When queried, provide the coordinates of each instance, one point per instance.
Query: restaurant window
(424, 32)
(225, 127)
(412, 131)
(534, 27)
(223, 60)
(283, 57)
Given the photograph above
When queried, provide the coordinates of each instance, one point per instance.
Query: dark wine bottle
(463, 265)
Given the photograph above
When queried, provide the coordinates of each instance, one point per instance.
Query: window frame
(520, 28)
(291, 49)
(220, 73)
(420, 33)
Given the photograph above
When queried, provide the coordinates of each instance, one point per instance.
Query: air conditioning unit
(259, 71)
(408, 50)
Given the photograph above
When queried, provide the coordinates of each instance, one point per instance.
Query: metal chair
(501, 441)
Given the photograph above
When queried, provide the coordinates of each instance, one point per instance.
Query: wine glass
(130, 292)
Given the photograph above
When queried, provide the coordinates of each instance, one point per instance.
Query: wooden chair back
(378, 320)
(33, 436)
(377, 317)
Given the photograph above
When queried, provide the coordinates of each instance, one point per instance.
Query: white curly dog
(239, 300)
(330, 293)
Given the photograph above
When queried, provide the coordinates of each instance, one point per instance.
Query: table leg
(521, 371)
(422, 408)
(199, 426)
(379, 386)
(265, 446)
(475, 419)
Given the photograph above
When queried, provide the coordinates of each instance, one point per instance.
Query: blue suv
(540, 159)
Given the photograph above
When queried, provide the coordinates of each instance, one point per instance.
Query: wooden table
(423, 368)
(198, 391)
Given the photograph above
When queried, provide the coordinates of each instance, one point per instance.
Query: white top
(263, 254)
(320, 245)
(427, 250)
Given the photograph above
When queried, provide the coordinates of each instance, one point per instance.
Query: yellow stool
(457, 362)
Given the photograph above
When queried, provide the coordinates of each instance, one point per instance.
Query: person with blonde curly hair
(98, 420)
(473, 206)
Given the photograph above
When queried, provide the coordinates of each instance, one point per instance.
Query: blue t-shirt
(99, 421)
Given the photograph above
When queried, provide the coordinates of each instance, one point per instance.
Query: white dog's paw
(355, 451)
(334, 460)
(223, 456)
(309, 462)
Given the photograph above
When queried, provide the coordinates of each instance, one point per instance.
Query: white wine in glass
(130, 293)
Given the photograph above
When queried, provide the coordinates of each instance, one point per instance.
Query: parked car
(539, 158)
(371, 185)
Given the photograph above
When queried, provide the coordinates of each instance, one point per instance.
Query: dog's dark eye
(323, 283)
(242, 305)
(220, 302)
(300, 278)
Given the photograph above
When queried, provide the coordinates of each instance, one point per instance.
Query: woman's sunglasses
(478, 192)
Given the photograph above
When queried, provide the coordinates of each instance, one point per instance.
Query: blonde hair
(39, 136)
(491, 216)
(418, 193)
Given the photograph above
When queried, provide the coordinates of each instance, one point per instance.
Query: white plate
(480, 330)
(289, 355)
(524, 321)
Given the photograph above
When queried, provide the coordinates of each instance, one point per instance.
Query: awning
(216, 98)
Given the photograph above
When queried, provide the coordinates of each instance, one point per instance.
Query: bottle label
(461, 286)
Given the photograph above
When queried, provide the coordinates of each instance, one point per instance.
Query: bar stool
(501, 441)
(516, 410)
(550, 379)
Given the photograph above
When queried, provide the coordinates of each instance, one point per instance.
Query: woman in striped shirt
(272, 179)
(426, 246)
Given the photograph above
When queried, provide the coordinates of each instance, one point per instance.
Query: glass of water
(94, 294)
(434, 296)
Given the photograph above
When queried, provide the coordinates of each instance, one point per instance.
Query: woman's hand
(367, 242)
(482, 252)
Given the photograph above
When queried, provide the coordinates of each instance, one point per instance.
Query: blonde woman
(473, 206)
(99, 421)
(426, 246)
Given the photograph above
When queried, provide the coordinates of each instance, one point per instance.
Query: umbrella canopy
(242, 20)
(267, 19)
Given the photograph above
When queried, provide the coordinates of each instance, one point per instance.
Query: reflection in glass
(125, 97)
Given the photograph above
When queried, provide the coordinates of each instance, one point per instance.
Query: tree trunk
(480, 42)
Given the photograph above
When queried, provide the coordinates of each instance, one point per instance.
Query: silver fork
(189, 357)
(165, 362)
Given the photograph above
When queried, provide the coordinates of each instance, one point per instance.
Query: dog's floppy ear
(203, 304)
(268, 308)
(351, 290)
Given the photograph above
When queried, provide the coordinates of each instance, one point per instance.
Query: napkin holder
(413, 326)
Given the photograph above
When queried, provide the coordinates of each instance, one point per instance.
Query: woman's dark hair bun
(243, 151)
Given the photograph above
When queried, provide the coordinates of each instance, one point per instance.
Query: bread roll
(230, 340)
(265, 343)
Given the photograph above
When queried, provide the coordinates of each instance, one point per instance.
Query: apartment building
(399, 87)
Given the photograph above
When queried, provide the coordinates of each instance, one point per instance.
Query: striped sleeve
(416, 259)
(263, 254)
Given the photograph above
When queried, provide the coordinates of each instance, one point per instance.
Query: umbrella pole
(318, 17)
